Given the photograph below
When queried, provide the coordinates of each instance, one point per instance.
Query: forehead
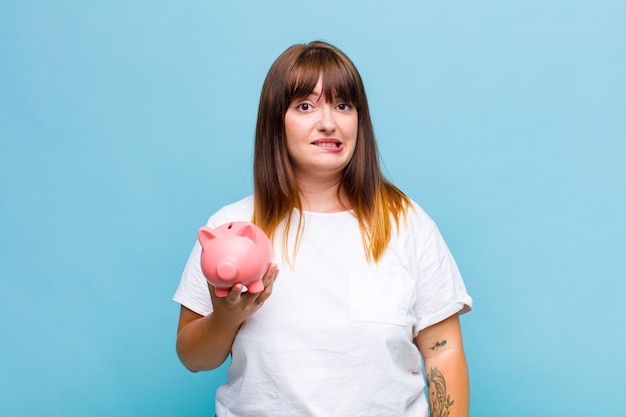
(324, 78)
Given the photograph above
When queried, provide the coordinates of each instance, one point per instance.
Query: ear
(248, 231)
(206, 234)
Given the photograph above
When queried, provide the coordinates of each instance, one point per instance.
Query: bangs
(339, 79)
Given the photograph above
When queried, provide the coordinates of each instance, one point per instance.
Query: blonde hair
(373, 199)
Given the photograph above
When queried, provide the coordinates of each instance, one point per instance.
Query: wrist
(216, 322)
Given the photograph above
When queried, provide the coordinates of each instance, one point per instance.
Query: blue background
(125, 124)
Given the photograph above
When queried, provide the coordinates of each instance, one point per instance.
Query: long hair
(374, 200)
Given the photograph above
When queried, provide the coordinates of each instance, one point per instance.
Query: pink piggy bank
(235, 252)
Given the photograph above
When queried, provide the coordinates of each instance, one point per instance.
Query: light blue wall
(125, 124)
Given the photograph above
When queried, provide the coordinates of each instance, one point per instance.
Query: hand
(237, 306)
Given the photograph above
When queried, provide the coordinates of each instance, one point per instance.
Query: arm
(204, 342)
(447, 377)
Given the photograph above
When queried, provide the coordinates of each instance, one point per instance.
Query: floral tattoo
(439, 400)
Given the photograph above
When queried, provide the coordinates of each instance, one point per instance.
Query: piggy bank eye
(230, 226)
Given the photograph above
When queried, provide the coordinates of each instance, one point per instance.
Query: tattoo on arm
(439, 400)
(438, 345)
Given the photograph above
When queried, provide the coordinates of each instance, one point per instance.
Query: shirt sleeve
(440, 290)
(193, 290)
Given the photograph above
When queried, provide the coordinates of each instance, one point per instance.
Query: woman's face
(321, 135)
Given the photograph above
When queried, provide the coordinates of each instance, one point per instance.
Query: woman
(367, 283)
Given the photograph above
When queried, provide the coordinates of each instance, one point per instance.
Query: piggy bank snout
(227, 269)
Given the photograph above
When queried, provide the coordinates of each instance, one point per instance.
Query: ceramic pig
(235, 252)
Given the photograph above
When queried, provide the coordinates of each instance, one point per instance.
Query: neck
(323, 197)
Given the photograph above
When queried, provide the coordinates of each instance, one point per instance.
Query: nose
(326, 121)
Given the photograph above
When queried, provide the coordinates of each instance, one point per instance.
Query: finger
(271, 281)
(267, 291)
(263, 296)
(235, 293)
(270, 275)
(212, 292)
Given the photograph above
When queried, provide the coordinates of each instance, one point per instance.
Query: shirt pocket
(379, 295)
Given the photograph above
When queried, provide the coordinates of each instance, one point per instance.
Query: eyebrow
(316, 93)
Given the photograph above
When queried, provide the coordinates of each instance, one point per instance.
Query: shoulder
(238, 211)
(418, 220)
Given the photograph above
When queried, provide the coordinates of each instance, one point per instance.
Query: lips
(329, 143)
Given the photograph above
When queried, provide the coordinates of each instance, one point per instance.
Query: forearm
(205, 343)
(447, 381)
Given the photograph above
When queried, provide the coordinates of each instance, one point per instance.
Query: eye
(344, 106)
(304, 107)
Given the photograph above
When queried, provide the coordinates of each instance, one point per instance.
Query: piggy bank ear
(206, 234)
(248, 231)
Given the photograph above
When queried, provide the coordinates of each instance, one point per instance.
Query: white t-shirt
(336, 336)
